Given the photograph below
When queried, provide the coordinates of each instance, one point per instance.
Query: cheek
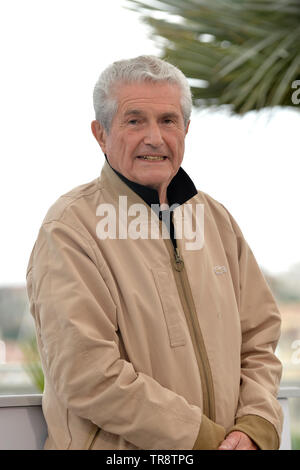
(127, 140)
(131, 145)
(126, 148)
(115, 146)
(177, 146)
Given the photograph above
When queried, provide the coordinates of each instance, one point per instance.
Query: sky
(52, 54)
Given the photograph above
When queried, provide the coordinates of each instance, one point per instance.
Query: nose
(153, 135)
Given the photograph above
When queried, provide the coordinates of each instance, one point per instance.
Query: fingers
(237, 440)
(231, 441)
(245, 443)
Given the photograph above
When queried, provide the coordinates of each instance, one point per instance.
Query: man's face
(148, 123)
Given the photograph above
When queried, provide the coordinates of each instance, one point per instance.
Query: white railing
(22, 424)
(283, 396)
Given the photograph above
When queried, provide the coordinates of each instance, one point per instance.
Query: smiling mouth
(152, 158)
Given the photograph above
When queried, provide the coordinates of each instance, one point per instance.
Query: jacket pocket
(170, 302)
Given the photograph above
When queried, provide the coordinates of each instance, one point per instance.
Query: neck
(162, 193)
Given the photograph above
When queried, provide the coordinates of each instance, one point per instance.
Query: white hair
(139, 69)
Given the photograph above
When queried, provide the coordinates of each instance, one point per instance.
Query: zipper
(187, 301)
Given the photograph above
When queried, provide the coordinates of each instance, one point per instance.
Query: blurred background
(242, 58)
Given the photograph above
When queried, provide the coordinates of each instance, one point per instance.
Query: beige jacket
(142, 349)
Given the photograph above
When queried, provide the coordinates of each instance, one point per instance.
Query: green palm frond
(32, 364)
(246, 53)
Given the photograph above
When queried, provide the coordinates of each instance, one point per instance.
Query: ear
(187, 127)
(99, 134)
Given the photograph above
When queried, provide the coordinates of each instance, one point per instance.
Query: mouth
(152, 158)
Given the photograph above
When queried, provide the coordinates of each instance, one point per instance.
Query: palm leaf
(245, 52)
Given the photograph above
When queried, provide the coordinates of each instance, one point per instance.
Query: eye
(168, 121)
(133, 122)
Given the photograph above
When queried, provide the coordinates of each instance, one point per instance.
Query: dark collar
(180, 189)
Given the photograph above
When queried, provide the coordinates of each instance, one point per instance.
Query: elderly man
(149, 341)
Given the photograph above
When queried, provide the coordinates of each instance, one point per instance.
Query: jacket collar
(180, 189)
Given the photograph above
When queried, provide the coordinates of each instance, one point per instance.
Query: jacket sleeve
(259, 413)
(76, 320)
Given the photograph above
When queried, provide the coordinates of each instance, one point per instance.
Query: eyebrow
(134, 112)
(138, 112)
(170, 115)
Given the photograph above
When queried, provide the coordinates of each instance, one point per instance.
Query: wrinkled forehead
(145, 95)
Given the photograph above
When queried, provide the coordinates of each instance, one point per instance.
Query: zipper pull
(178, 261)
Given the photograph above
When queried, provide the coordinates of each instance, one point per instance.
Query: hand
(237, 440)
